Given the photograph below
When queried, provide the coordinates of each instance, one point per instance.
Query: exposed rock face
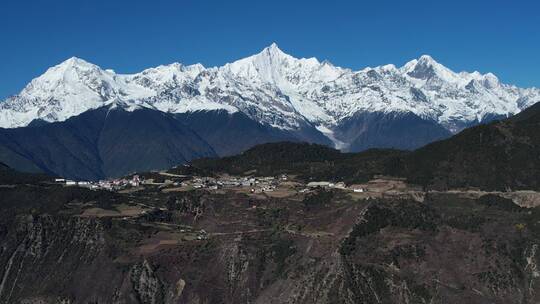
(146, 284)
(326, 249)
(45, 251)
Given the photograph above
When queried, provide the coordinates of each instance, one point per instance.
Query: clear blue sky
(502, 37)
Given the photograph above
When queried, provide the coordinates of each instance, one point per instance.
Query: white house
(340, 185)
(319, 184)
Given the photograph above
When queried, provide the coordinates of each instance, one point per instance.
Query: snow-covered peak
(75, 62)
(65, 90)
(166, 75)
(426, 68)
(177, 68)
(273, 51)
(73, 78)
(68, 71)
(273, 88)
(270, 65)
(427, 59)
(490, 81)
(274, 67)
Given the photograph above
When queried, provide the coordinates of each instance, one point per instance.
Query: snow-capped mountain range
(275, 89)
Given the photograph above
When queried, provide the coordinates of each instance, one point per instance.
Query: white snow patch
(338, 144)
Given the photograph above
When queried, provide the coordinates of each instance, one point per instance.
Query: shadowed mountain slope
(102, 143)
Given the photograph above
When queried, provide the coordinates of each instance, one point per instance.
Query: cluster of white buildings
(338, 185)
(257, 184)
(113, 184)
(254, 184)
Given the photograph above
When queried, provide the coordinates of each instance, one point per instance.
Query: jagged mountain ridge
(275, 89)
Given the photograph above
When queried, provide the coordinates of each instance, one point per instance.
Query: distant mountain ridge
(278, 91)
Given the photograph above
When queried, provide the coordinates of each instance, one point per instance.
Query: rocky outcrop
(146, 284)
(41, 253)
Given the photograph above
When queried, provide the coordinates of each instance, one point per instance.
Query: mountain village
(174, 182)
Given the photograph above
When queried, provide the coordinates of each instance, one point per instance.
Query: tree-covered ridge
(501, 155)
